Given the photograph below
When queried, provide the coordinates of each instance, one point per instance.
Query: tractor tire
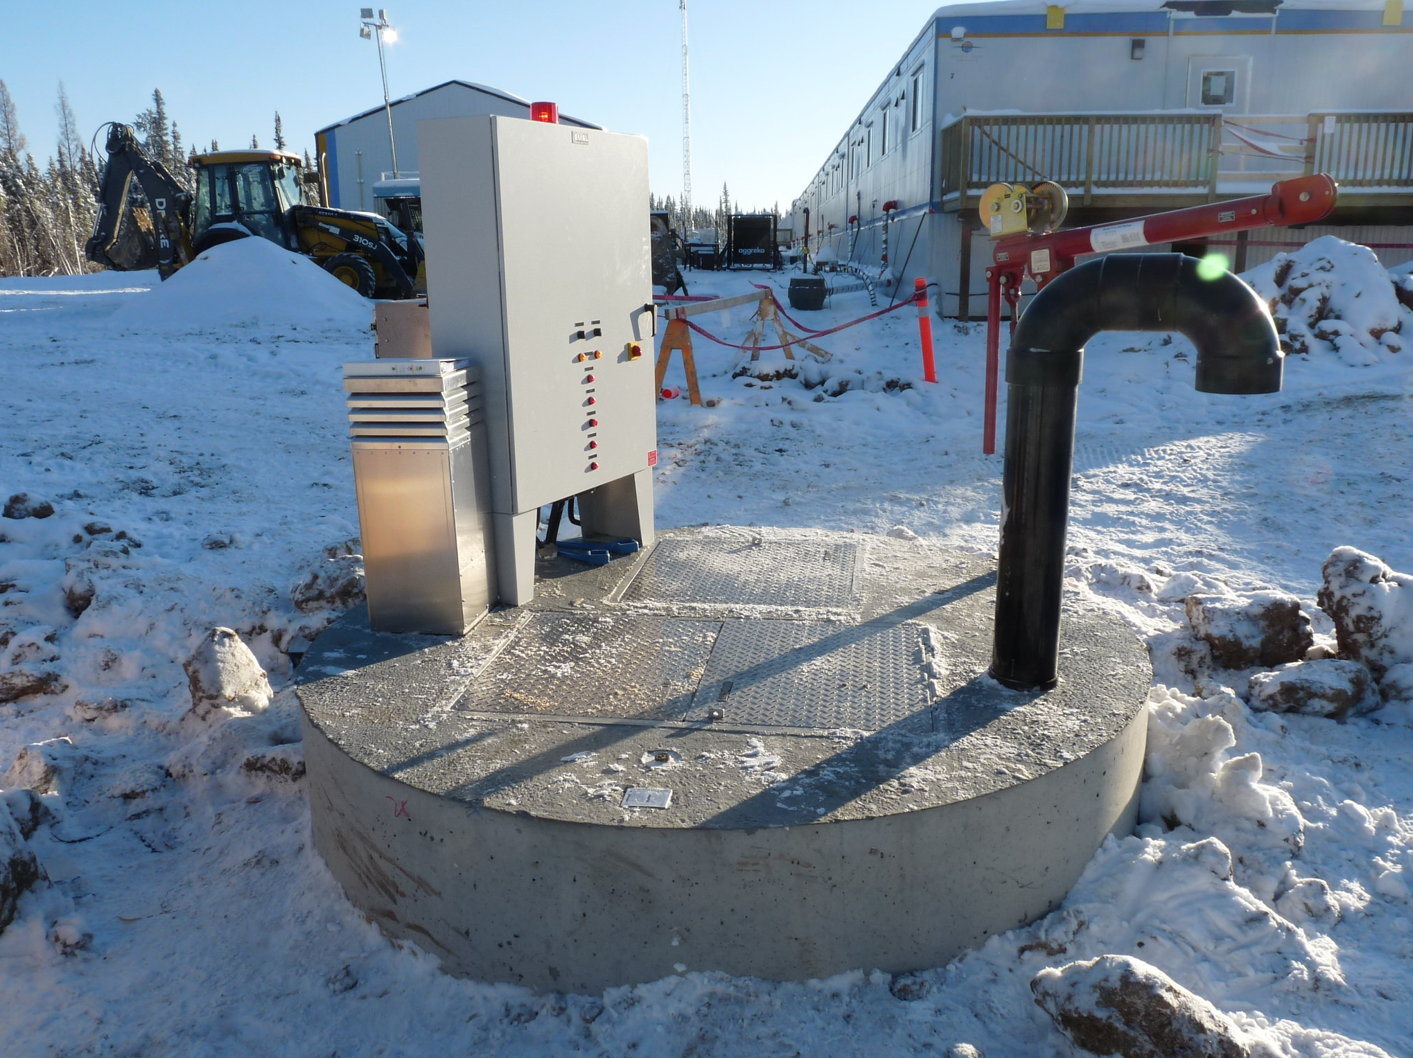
(216, 236)
(353, 271)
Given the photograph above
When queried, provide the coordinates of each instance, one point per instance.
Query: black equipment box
(807, 292)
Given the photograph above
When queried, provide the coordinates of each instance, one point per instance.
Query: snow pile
(1333, 295)
(248, 283)
(1194, 780)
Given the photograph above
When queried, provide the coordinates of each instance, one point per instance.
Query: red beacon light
(547, 112)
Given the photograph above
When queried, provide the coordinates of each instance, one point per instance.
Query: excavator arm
(126, 236)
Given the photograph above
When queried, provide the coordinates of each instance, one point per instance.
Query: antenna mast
(686, 130)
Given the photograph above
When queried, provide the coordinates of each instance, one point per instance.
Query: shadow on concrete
(832, 782)
(813, 793)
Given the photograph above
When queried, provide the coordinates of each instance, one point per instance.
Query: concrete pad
(765, 752)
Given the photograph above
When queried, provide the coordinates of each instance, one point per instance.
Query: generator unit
(540, 287)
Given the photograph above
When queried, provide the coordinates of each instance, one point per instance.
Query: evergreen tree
(154, 130)
(177, 151)
(279, 133)
(254, 143)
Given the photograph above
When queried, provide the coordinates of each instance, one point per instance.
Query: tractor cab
(253, 190)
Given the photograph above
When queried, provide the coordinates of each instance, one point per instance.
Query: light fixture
(381, 30)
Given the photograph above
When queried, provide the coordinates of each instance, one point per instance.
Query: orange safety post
(924, 326)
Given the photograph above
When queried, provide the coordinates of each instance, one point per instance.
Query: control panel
(539, 274)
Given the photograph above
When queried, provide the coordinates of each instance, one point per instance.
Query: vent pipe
(1238, 352)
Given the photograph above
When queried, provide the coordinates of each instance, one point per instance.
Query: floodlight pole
(378, 26)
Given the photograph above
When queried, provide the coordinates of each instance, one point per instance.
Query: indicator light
(588, 378)
(593, 444)
(593, 422)
(598, 354)
(579, 359)
(547, 112)
(593, 466)
(592, 400)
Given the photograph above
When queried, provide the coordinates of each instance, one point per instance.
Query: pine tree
(279, 133)
(254, 143)
(153, 130)
(177, 151)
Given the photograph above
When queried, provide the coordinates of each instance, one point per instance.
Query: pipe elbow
(1238, 350)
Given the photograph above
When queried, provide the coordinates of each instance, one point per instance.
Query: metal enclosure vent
(419, 465)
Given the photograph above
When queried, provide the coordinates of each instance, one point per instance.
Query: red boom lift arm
(1302, 200)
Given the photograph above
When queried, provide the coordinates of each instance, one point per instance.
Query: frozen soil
(198, 468)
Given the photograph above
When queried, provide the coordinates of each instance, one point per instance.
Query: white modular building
(1134, 107)
(355, 154)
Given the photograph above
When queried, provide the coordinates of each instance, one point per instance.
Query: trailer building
(1134, 107)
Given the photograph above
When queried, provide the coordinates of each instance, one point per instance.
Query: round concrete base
(762, 752)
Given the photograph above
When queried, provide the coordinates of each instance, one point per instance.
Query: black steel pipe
(1238, 352)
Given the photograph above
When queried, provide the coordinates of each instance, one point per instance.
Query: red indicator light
(593, 466)
(593, 444)
(593, 422)
(591, 400)
(588, 378)
(547, 112)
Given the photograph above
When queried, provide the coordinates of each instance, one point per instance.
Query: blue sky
(774, 82)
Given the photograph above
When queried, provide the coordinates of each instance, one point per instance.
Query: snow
(190, 437)
(246, 283)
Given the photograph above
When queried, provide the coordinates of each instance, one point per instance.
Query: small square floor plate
(597, 665)
(811, 675)
(795, 574)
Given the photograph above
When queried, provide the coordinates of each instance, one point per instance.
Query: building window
(1218, 87)
(915, 103)
(883, 133)
(868, 148)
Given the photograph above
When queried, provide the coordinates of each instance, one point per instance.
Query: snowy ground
(198, 468)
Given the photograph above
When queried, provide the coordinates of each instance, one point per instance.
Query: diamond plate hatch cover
(597, 665)
(774, 674)
(803, 674)
(815, 574)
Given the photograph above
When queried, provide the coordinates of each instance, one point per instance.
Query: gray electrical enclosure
(539, 274)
